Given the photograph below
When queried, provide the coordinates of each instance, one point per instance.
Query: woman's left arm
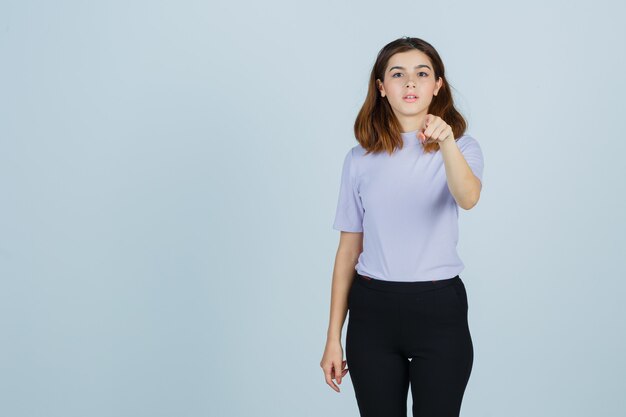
(463, 184)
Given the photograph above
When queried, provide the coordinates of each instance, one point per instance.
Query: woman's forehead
(411, 59)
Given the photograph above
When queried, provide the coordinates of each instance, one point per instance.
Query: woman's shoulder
(467, 139)
(355, 152)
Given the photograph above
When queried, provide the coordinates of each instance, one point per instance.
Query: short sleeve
(349, 214)
(473, 154)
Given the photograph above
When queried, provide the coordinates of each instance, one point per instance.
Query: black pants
(408, 332)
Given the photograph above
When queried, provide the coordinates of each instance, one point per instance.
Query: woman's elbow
(471, 201)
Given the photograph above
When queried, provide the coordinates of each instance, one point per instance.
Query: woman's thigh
(439, 342)
(378, 370)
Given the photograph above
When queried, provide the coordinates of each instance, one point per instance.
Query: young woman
(397, 268)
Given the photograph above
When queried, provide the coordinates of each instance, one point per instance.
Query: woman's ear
(380, 87)
(439, 84)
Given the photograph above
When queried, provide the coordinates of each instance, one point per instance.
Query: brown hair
(376, 127)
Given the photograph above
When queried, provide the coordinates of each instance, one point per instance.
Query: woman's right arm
(350, 247)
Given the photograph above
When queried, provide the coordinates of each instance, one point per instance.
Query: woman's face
(409, 73)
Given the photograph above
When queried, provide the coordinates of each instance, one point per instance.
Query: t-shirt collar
(410, 138)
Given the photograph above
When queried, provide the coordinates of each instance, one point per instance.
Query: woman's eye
(422, 72)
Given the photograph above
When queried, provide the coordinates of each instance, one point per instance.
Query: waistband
(405, 286)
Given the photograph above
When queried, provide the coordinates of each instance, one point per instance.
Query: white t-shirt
(402, 204)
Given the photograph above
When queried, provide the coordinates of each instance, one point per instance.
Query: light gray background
(169, 173)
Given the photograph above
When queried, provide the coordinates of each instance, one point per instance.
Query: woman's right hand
(332, 361)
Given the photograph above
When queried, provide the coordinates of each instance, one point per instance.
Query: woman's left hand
(435, 130)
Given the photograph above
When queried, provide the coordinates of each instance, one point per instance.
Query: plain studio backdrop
(169, 174)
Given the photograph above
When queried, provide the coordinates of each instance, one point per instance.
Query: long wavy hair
(377, 128)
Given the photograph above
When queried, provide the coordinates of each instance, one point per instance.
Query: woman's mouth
(410, 98)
